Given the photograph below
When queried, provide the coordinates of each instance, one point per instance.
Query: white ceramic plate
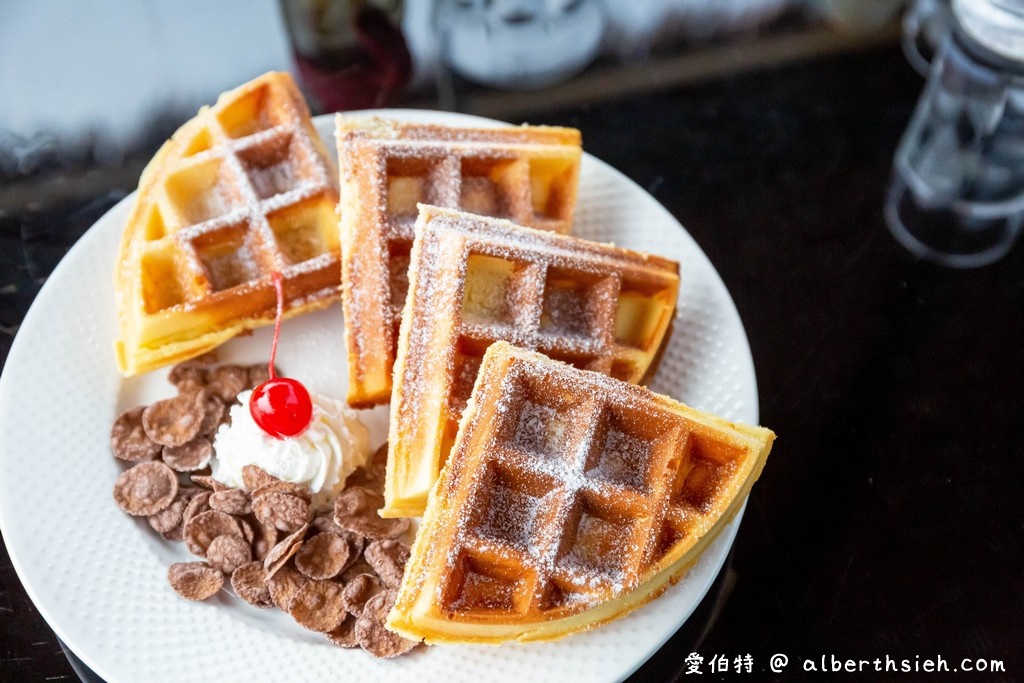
(98, 576)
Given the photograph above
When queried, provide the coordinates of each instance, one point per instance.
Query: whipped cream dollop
(321, 458)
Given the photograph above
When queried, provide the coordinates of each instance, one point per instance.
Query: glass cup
(957, 194)
(350, 54)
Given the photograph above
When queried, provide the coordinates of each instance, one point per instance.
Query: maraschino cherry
(280, 406)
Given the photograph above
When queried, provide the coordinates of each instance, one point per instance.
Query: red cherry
(281, 407)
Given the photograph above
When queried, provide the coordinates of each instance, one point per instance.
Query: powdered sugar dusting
(540, 431)
(477, 280)
(388, 168)
(263, 167)
(575, 489)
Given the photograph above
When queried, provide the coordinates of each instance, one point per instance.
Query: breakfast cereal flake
(175, 421)
(194, 580)
(201, 530)
(228, 553)
(388, 558)
(146, 489)
(227, 381)
(283, 586)
(358, 592)
(370, 630)
(356, 508)
(254, 476)
(232, 501)
(189, 457)
(249, 582)
(128, 439)
(345, 634)
(281, 510)
(318, 606)
(323, 556)
(282, 552)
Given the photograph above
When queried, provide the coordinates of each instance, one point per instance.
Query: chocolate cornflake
(175, 421)
(232, 501)
(323, 556)
(247, 531)
(287, 487)
(283, 585)
(356, 508)
(128, 438)
(258, 374)
(357, 542)
(355, 569)
(266, 537)
(388, 558)
(194, 580)
(372, 474)
(324, 523)
(227, 381)
(214, 413)
(254, 477)
(228, 553)
(282, 552)
(192, 370)
(202, 529)
(146, 489)
(358, 592)
(169, 521)
(200, 502)
(318, 606)
(249, 582)
(189, 457)
(371, 633)
(209, 483)
(345, 634)
(281, 510)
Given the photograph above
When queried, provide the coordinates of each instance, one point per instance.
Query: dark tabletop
(889, 519)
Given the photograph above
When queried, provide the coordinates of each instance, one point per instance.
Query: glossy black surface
(889, 519)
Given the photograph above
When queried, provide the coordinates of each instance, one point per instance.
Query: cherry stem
(279, 289)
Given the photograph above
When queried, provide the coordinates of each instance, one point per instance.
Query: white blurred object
(635, 27)
(996, 24)
(519, 44)
(98, 71)
(857, 14)
(631, 27)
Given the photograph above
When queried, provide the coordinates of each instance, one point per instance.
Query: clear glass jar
(957, 196)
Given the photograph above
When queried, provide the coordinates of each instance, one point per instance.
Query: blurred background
(97, 83)
(91, 89)
(890, 520)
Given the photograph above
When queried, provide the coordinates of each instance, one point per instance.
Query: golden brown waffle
(474, 280)
(570, 499)
(243, 189)
(526, 173)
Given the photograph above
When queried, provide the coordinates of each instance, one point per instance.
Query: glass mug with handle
(957, 195)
